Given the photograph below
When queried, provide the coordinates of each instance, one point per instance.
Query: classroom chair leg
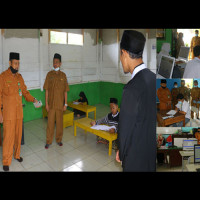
(74, 129)
(110, 148)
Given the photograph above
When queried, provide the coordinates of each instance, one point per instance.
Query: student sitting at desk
(82, 100)
(192, 69)
(182, 107)
(110, 119)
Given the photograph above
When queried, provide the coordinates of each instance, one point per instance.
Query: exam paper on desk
(171, 112)
(103, 127)
(76, 103)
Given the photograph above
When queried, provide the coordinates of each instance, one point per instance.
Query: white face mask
(56, 69)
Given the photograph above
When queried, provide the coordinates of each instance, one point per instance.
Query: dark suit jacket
(137, 123)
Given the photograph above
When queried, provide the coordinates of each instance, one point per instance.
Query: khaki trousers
(12, 135)
(54, 115)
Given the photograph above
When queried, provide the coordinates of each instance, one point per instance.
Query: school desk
(84, 123)
(84, 108)
(174, 155)
(178, 117)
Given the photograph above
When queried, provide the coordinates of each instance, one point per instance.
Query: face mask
(14, 71)
(163, 87)
(56, 69)
(196, 34)
(180, 102)
(175, 86)
(195, 85)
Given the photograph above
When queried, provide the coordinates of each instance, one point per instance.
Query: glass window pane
(75, 39)
(58, 37)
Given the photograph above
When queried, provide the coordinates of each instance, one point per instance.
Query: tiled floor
(80, 153)
(166, 168)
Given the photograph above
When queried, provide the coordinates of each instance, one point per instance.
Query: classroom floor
(166, 168)
(80, 153)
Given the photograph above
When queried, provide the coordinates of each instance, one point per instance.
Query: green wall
(168, 39)
(109, 90)
(96, 93)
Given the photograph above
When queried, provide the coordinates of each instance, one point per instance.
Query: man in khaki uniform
(184, 90)
(174, 92)
(56, 87)
(164, 96)
(12, 87)
(195, 94)
(194, 42)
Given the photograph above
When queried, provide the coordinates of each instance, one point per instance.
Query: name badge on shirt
(20, 92)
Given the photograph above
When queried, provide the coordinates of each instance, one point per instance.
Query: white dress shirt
(185, 107)
(137, 69)
(192, 69)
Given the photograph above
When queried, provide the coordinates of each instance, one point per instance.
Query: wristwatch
(66, 105)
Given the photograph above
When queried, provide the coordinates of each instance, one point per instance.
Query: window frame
(56, 30)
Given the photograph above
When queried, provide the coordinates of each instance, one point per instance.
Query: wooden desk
(192, 167)
(84, 123)
(178, 117)
(84, 108)
(174, 156)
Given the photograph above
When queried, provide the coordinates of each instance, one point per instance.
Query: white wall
(90, 62)
(111, 66)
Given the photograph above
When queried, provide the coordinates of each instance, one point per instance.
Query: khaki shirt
(165, 97)
(12, 87)
(57, 85)
(175, 92)
(195, 93)
(185, 92)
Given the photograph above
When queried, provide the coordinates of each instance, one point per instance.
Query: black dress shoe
(6, 168)
(20, 159)
(60, 144)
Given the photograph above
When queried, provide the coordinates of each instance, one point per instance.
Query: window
(73, 37)
(58, 37)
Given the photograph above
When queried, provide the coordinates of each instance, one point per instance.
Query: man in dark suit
(137, 121)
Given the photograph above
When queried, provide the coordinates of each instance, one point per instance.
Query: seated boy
(110, 119)
(182, 107)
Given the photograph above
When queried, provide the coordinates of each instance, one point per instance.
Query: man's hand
(35, 101)
(92, 123)
(64, 108)
(112, 130)
(47, 107)
(117, 156)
